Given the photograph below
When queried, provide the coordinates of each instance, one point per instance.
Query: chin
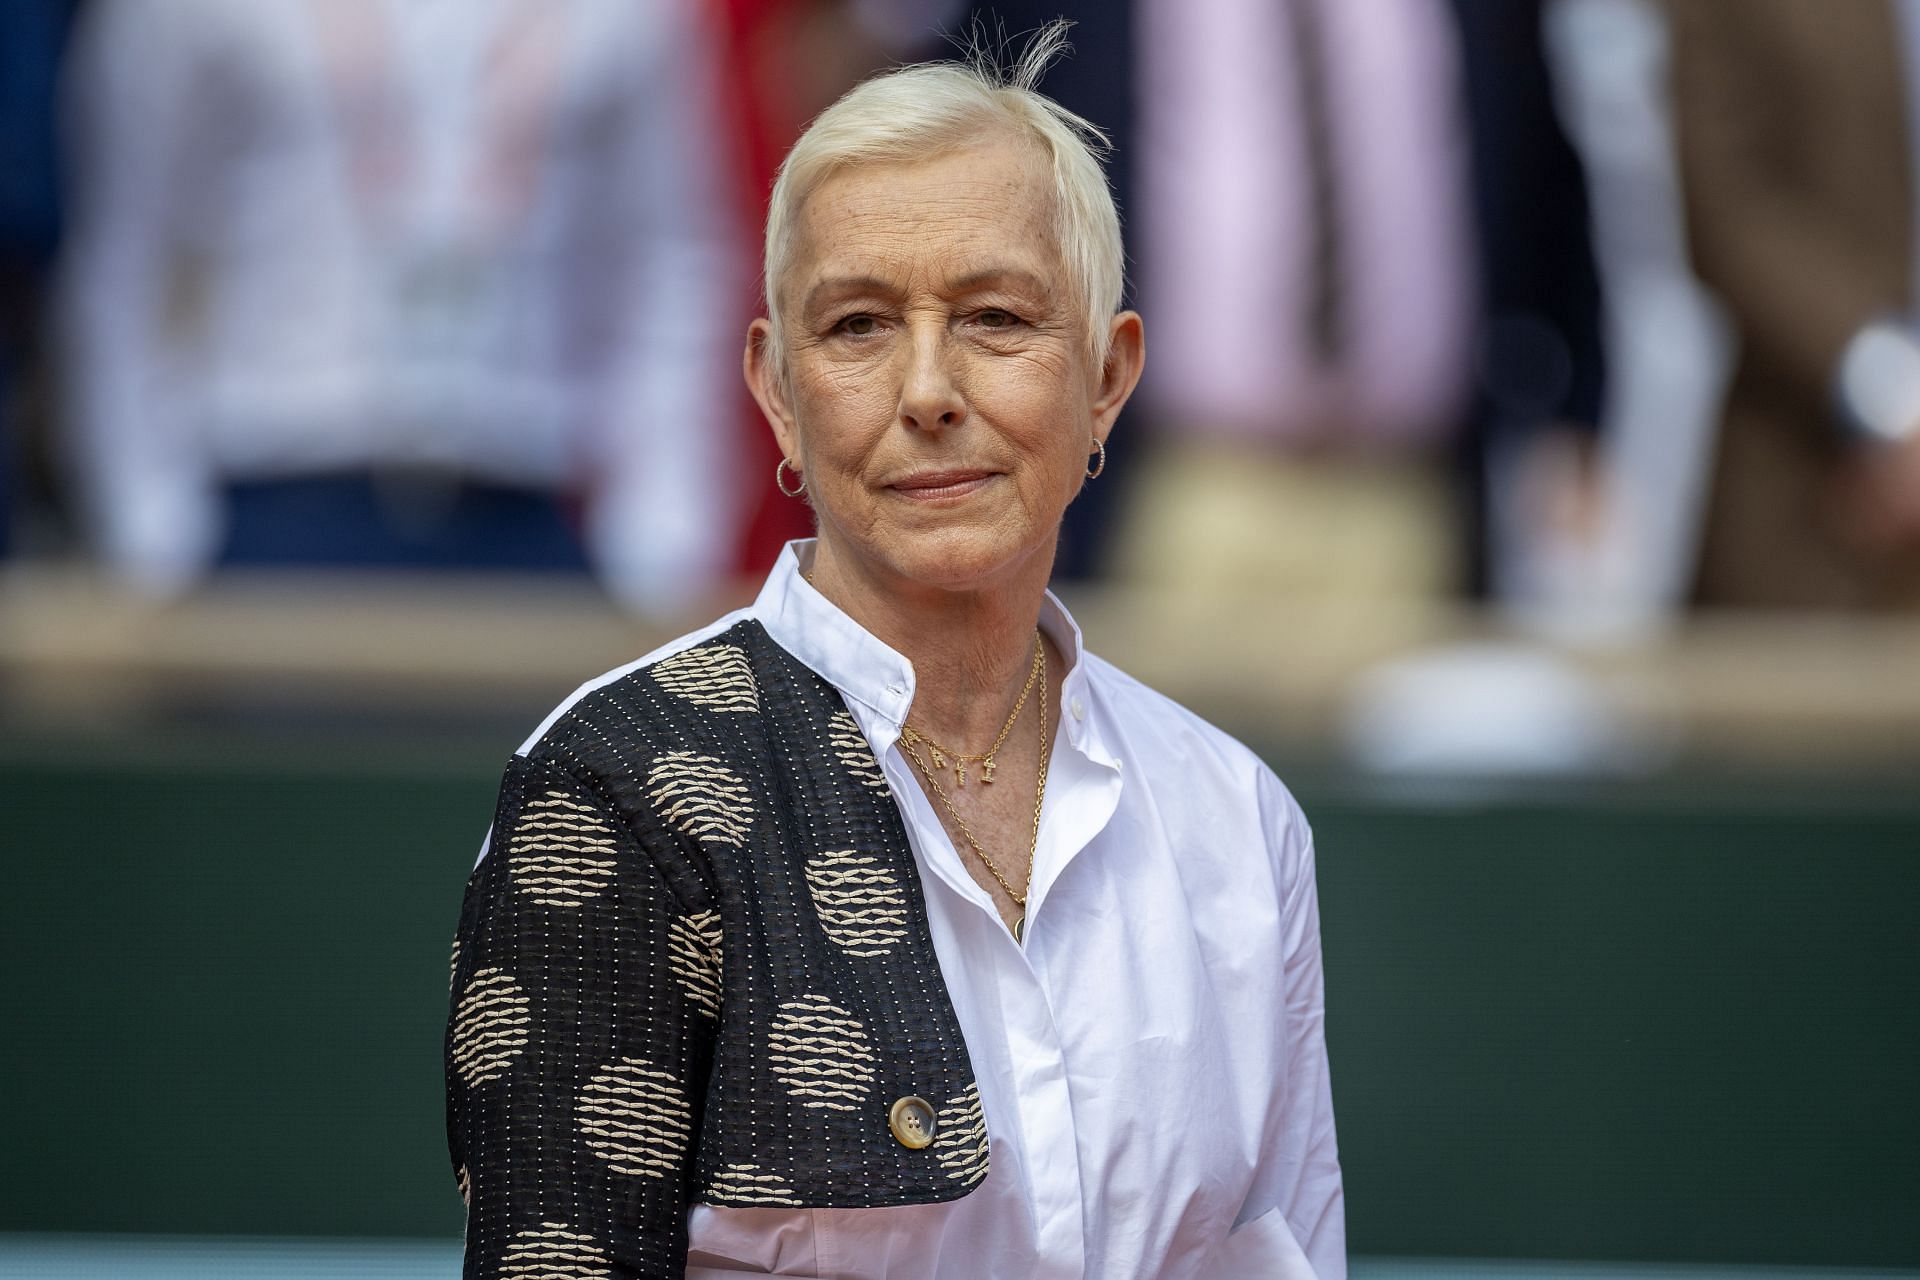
(956, 559)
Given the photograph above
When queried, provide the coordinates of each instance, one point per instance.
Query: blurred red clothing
(766, 103)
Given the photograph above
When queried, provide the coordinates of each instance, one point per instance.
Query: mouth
(934, 486)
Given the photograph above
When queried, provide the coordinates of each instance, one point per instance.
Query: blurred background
(1528, 464)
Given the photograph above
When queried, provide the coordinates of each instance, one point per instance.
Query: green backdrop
(1662, 1020)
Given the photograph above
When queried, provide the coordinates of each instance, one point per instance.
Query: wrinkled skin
(929, 329)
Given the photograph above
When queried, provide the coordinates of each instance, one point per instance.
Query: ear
(769, 389)
(1126, 358)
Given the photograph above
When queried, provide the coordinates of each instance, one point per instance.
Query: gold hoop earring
(780, 470)
(1093, 472)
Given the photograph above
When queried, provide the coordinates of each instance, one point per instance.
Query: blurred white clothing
(479, 238)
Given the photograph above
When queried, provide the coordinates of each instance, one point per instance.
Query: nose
(930, 398)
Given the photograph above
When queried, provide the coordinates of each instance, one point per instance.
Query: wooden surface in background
(1825, 690)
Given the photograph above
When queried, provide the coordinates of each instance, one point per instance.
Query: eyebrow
(844, 285)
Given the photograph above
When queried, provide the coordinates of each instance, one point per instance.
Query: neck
(971, 648)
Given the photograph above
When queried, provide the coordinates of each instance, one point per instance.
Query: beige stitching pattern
(693, 955)
(555, 1251)
(851, 750)
(636, 1118)
(960, 1142)
(820, 1053)
(561, 852)
(490, 1026)
(701, 796)
(748, 1184)
(861, 905)
(716, 677)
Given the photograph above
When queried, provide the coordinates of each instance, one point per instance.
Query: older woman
(878, 929)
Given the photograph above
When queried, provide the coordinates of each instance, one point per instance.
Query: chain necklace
(1039, 798)
(985, 759)
(909, 736)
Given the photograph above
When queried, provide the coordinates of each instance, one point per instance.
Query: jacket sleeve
(578, 1042)
(1772, 236)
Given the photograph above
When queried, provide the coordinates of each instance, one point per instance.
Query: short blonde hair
(920, 111)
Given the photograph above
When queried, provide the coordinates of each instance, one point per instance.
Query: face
(940, 400)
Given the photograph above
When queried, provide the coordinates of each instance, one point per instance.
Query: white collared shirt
(1152, 1061)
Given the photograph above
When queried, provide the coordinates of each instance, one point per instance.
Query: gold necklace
(985, 759)
(1039, 799)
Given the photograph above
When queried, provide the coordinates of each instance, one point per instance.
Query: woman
(877, 929)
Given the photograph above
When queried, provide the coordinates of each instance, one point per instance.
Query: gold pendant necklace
(910, 736)
(1039, 799)
(941, 755)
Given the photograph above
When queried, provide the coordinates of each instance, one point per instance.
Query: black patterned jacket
(695, 966)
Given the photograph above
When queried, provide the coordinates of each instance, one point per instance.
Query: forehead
(958, 214)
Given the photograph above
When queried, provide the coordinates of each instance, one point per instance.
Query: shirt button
(1078, 708)
(912, 1122)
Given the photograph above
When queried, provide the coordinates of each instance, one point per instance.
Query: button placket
(1043, 1108)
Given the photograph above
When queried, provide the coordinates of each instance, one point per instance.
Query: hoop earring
(780, 470)
(1093, 472)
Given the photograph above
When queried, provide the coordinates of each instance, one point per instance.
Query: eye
(997, 319)
(859, 326)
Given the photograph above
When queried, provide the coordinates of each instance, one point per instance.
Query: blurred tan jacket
(1792, 122)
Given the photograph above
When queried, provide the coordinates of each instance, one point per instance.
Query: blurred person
(1392, 183)
(1308, 256)
(1620, 543)
(32, 33)
(877, 929)
(1798, 144)
(414, 282)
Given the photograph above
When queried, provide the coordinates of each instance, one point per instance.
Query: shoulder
(693, 703)
(605, 738)
(1141, 714)
(1190, 762)
(696, 647)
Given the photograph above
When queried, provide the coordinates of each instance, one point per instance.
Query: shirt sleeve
(662, 273)
(135, 115)
(1300, 1167)
(578, 1043)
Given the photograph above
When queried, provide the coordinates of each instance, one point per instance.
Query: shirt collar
(815, 630)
